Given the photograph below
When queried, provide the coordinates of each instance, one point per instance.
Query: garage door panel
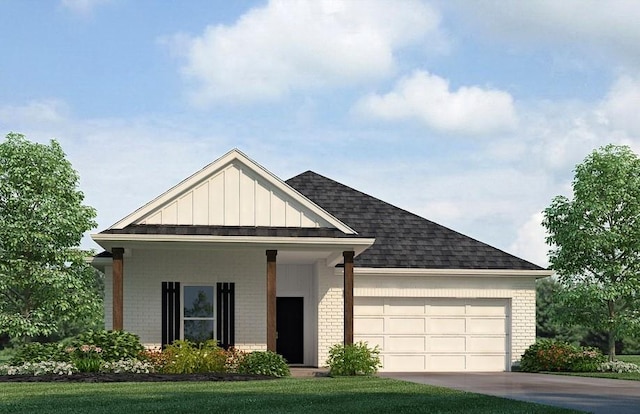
(445, 309)
(404, 306)
(368, 306)
(486, 344)
(405, 363)
(405, 344)
(372, 341)
(486, 308)
(446, 344)
(435, 334)
(368, 325)
(485, 363)
(447, 325)
(446, 363)
(486, 326)
(405, 325)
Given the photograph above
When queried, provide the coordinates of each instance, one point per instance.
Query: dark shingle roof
(403, 239)
(229, 231)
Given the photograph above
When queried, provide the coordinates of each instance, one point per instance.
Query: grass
(349, 395)
(629, 358)
(631, 376)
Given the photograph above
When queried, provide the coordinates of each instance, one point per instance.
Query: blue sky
(471, 114)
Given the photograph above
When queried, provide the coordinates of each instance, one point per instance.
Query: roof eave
(356, 244)
(370, 271)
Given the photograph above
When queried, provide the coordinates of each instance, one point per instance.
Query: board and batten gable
(234, 196)
(233, 191)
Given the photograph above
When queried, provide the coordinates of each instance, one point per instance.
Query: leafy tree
(44, 280)
(549, 314)
(596, 239)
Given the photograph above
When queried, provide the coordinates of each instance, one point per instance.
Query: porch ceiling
(291, 250)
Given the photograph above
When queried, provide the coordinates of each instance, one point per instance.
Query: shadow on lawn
(285, 396)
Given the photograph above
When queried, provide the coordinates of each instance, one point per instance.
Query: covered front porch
(293, 274)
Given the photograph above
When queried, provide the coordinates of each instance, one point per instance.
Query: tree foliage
(596, 239)
(549, 313)
(44, 280)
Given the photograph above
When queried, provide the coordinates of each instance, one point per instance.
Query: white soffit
(233, 191)
(371, 271)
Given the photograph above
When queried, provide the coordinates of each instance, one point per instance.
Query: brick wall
(330, 310)
(519, 290)
(145, 270)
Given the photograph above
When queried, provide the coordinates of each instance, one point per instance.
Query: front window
(198, 320)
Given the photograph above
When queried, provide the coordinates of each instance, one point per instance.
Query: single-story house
(236, 254)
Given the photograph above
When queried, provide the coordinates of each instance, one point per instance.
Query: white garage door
(435, 334)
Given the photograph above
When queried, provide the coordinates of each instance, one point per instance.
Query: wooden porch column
(117, 276)
(271, 300)
(348, 297)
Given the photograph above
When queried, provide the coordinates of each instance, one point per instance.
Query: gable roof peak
(233, 190)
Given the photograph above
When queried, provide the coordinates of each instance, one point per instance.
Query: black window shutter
(170, 312)
(225, 315)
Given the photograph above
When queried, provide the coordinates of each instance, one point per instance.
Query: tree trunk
(612, 346)
(611, 333)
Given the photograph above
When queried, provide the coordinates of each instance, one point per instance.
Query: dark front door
(289, 325)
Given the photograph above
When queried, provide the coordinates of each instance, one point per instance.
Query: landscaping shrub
(234, 359)
(185, 357)
(37, 352)
(156, 357)
(87, 358)
(550, 355)
(353, 359)
(134, 366)
(39, 368)
(264, 363)
(115, 345)
(619, 367)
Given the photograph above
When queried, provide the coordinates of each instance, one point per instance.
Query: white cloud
(288, 46)
(37, 111)
(83, 7)
(620, 107)
(429, 99)
(605, 28)
(530, 241)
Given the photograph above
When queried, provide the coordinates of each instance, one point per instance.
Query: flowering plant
(39, 368)
(87, 358)
(134, 366)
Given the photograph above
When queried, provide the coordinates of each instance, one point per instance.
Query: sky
(470, 114)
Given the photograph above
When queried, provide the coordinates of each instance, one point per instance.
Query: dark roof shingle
(403, 239)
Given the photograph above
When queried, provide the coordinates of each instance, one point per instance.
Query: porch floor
(309, 372)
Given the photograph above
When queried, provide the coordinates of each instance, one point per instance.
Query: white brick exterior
(320, 285)
(519, 290)
(145, 270)
(330, 310)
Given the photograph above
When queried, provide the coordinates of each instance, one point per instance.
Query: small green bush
(551, 355)
(264, 363)
(353, 359)
(39, 368)
(115, 345)
(619, 367)
(128, 366)
(185, 357)
(37, 352)
(87, 358)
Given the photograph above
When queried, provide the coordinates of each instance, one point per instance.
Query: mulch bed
(106, 377)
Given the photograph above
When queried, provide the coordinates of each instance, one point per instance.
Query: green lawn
(633, 376)
(629, 358)
(349, 395)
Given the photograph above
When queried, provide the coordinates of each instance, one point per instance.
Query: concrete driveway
(596, 395)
